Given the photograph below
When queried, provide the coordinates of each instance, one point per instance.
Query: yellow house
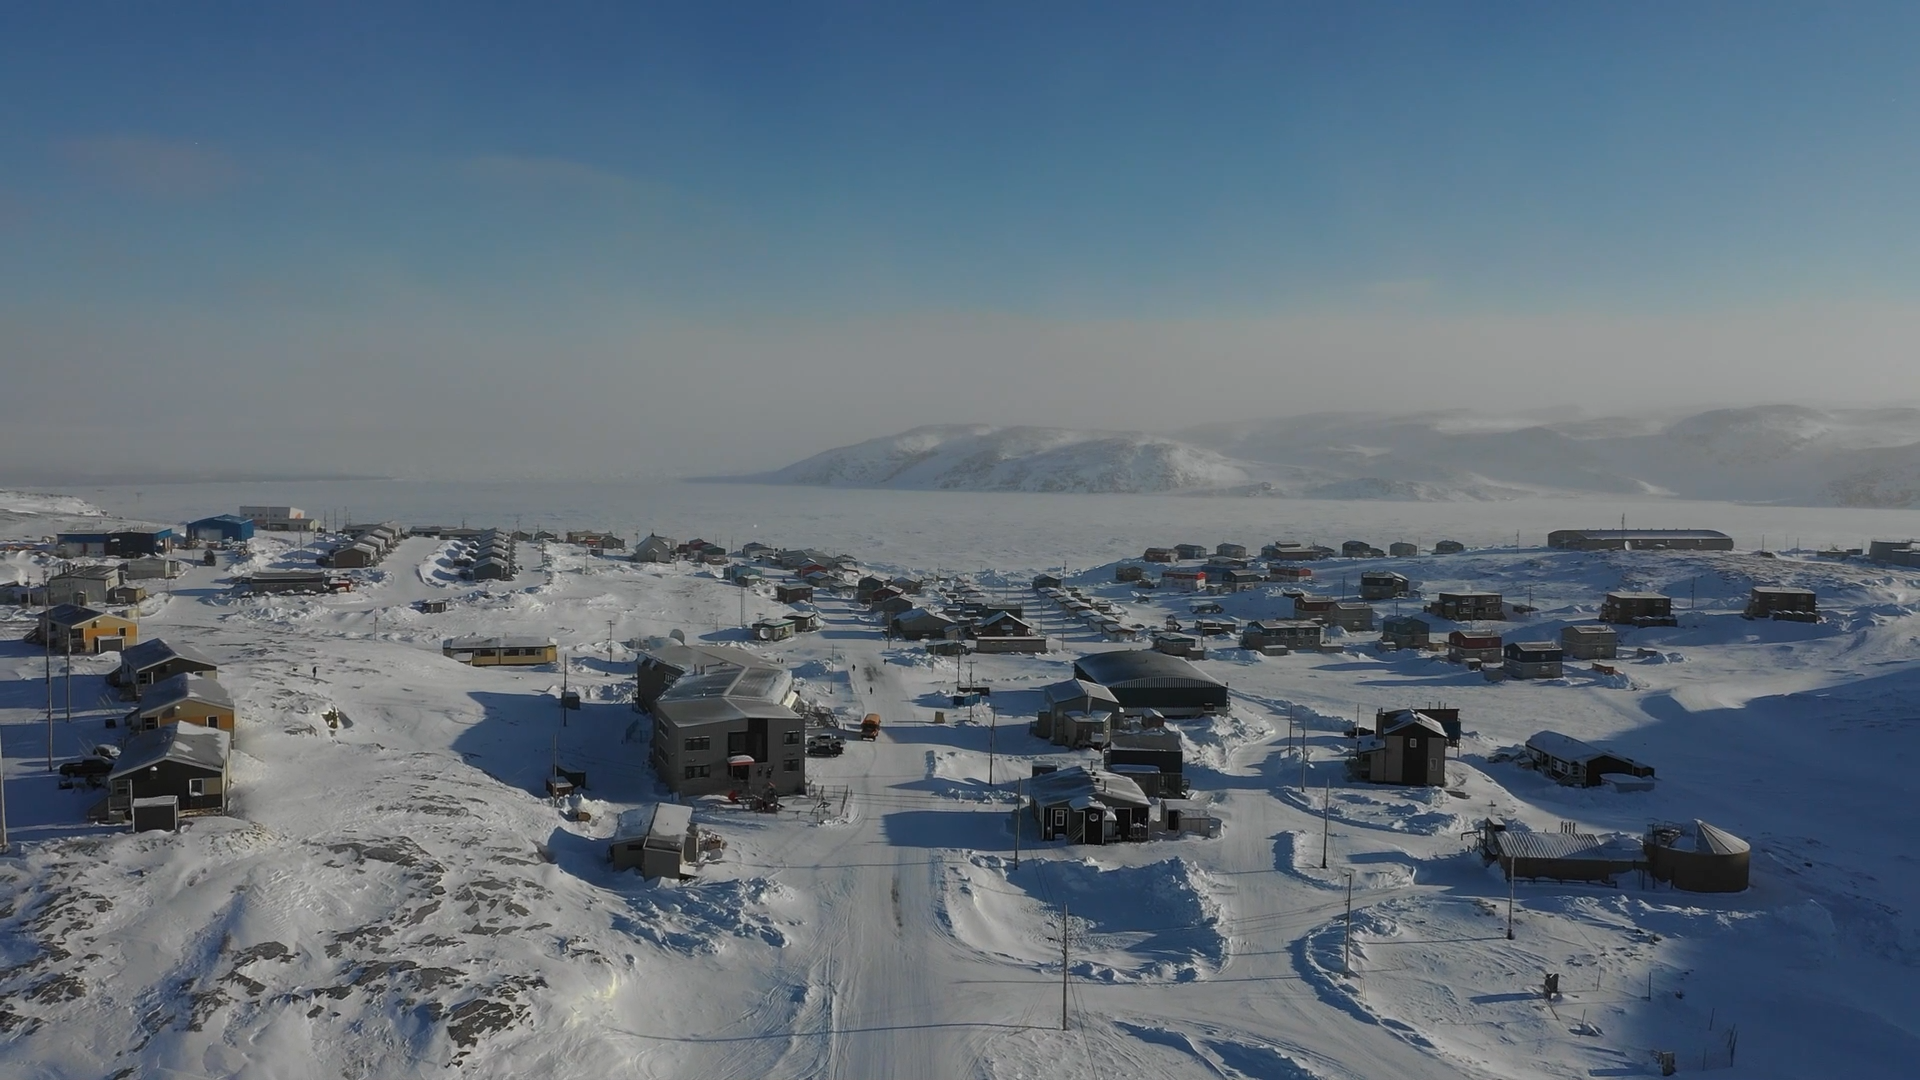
(184, 699)
(495, 651)
(73, 628)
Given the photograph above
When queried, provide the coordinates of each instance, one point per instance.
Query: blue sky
(209, 175)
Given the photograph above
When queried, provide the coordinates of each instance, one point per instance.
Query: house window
(695, 772)
(700, 742)
(196, 787)
(791, 764)
(793, 738)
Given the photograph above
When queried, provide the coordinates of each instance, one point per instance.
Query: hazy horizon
(673, 242)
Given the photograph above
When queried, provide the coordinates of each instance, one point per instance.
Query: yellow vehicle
(870, 727)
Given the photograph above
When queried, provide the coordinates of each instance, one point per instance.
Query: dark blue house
(119, 543)
(221, 527)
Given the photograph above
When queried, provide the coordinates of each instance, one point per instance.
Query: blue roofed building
(227, 527)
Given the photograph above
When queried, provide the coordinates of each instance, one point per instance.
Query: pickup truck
(870, 727)
(825, 745)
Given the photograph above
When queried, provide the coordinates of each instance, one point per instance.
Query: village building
(1400, 549)
(1637, 609)
(1088, 806)
(1289, 551)
(1190, 551)
(1281, 636)
(155, 660)
(270, 582)
(1145, 679)
(221, 529)
(655, 549)
(1046, 581)
(1158, 554)
(93, 584)
(186, 698)
(773, 630)
(1533, 660)
(919, 624)
(1236, 580)
(658, 840)
(152, 568)
(804, 620)
(1070, 711)
(1468, 606)
(1465, 647)
(1570, 761)
(1177, 644)
(1557, 856)
(490, 568)
(1231, 551)
(793, 594)
(600, 541)
(889, 603)
(1288, 572)
(1406, 747)
(1777, 602)
(279, 518)
(482, 650)
(1589, 642)
(355, 556)
(1406, 631)
(1004, 632)
(1311, 605)
(1639, 540)
(1151, 757)
(743, 574)
(127, 542)
(1349, 615)
(1383, 585)
(75, 628)
(1184, 580)
(1128, 572)
(724, 723)
(182, 763)
(1449, 547)
(1356, 549)
(1894, 552)
(1705, 859)
(910, 586)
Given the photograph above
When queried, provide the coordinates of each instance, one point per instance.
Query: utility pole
(1509, 902)
(1326, 822)
(993, 726)
(1349, 942)
(1019, 804)
(1063, 965)
(47, 636)
(609, 642)
(69, 679)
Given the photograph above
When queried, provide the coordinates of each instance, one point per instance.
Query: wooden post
(1063, 965)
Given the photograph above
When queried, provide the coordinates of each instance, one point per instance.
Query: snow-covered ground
(393, 897)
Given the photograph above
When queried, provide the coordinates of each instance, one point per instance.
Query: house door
(1414, 762)
(1095, 831)
(1059, 823)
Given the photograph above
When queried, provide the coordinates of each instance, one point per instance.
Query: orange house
(184, 698)
(73, 628)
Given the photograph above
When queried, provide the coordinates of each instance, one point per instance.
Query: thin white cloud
(160, 168)
(544, 174)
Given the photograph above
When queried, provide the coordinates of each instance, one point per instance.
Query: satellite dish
(678, 635)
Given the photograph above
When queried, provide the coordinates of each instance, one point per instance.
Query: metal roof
(188, 744)
(474, 642)
(1136, 666)
(70, 614)
(155, 651)
(1564, 747)
(1080, 784)
(186, 686)
(1076, 690)
(100, 571)
(1522, 844)
(1412, 718)
(1711, 840)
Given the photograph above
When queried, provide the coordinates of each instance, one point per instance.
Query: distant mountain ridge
(1775, 453)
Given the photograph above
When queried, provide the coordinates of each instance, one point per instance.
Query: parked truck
(870, 727)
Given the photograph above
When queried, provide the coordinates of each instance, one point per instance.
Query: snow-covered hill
(984, 458)
(1777, 453)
